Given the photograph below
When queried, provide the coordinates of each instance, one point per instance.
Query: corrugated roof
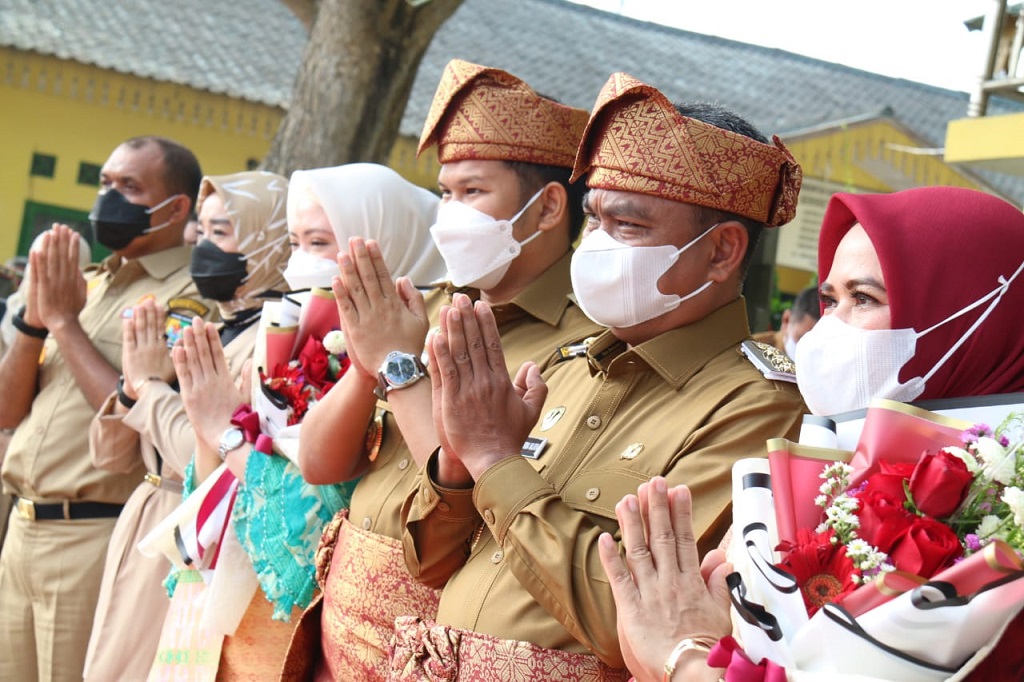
(251, 49)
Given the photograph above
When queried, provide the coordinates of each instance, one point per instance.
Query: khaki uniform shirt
(48, 458)
(684, 405)
(533, 326)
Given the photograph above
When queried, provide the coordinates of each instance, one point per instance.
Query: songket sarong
(426, 652)
(365, 587)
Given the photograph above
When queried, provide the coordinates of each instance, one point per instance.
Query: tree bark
(352, 88)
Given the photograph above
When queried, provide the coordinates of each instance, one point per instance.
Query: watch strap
(18, 320)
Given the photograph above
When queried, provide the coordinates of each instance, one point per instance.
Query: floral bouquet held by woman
(899, 562)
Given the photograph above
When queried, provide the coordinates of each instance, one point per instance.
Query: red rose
(926, 548)
(314, 362)
(889, 478)
(939, 484)
(883, 518)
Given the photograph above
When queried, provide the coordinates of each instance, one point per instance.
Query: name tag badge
(533, 447)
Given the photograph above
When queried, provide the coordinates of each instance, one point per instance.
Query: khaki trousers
(50, 575)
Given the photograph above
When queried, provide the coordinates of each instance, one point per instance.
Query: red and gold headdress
(636, 141)
(484, 113)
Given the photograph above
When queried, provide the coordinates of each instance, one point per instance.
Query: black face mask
(116, 221)
(217, 273)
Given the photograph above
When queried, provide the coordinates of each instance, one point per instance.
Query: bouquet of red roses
(299, 356)
(899, 561)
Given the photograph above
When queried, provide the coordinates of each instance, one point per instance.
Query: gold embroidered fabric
(484, 113)
(425, 652)
(636, 141)
(365, 589)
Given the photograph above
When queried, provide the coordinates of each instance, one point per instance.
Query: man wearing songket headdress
(507, 218)
(677, 200)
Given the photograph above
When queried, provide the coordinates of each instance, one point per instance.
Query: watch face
(232, 439)
(400, 369)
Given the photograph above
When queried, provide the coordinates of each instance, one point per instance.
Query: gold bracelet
(702, 644)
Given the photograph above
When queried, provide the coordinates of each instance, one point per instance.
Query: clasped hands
(481, 416)
(56, 288)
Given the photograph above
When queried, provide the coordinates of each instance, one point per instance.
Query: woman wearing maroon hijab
(922, 297)
(951, 261)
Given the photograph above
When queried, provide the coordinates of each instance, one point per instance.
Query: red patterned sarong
(365, 587)
(425, 652)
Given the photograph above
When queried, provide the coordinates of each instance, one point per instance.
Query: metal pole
(992, 30)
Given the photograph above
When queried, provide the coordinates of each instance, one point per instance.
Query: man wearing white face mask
(676, 202)
(504, 227)
(62, 367)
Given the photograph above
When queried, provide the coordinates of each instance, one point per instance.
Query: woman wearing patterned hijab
(243, 239)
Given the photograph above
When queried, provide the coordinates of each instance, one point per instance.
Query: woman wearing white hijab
(360, 200)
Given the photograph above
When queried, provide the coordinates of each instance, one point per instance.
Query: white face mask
(789, 345)
(306, 271)
(841, 368)
(616, 284)
(477, 249)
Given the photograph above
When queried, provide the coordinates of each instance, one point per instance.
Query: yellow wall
(80, 113)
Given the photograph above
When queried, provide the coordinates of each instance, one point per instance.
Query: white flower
(334, 342)
(988, 526)
(999, 464)
(968, 458)
(1014, 498)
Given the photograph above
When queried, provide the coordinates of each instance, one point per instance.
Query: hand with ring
(144, 353)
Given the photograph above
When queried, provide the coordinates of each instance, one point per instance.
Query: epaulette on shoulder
(769, 361)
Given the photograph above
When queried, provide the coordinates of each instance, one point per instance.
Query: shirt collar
(677, 354)
(547, 297)
(159, 265)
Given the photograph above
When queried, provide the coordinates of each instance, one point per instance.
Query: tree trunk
(352, 88)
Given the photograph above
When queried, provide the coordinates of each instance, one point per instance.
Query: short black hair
(806, 303)
(726, 119)
(181, 172)
(533, 176)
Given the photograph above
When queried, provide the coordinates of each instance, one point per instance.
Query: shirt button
(594, 422)
(403, 464)
(367, 522)
(497, 557)
(444, 506)
(593, 494)
(488, 516)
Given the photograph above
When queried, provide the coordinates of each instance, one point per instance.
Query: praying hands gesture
(144, 353)
(209, 394)
(57, 288)
(480, 415)
(378, 315)
(662, 594)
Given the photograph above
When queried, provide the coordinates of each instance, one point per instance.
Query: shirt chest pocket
(597, 492)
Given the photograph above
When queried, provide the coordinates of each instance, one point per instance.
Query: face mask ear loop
(519, 215)
(153, 209)
(675, 257)
(1004, 286)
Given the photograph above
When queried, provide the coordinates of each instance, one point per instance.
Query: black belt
(34, 511)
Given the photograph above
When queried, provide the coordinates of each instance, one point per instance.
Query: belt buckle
(153, 479)
(27, 509)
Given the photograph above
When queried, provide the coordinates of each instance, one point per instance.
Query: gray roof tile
(252, 48)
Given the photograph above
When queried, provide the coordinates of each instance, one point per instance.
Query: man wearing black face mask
(64, 363)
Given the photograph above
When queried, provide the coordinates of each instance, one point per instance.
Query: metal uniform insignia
(552, 417)
(533, 447)
(769, 360)
(632, 451)
(180, 312)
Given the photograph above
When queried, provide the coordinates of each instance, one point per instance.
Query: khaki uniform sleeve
(113, 445)
(439, 527)
(550, 540)
(160, 415)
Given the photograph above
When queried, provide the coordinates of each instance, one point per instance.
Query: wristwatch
(399, 370)
(232, 438)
